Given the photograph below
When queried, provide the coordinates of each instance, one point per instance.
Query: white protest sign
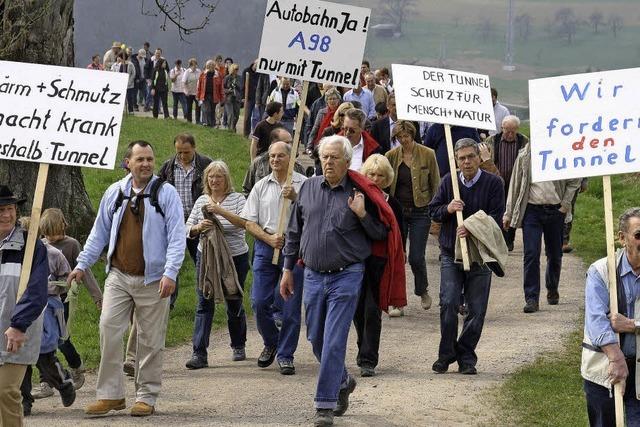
(443, 96)
(60, 115)
(585, 125)
(315, 41)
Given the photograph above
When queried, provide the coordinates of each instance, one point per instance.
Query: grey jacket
(218, 277)
(520, 184)
(27, 313)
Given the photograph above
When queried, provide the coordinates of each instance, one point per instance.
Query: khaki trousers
(11, 376)
(121, 293)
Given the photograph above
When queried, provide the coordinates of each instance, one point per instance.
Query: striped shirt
(506, 159)
(183, 182)
(234, 203)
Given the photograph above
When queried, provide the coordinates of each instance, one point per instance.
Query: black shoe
(323, 418)
(67, 394)
(553, 297)
(238, 354)
(267, 357)
(129, 369)
(510, 246)
(196, 362)
(440, 366)
(367, 371)
(26, 408)
(466, 369)
(531, 306)
(343, 397)
(287, 367)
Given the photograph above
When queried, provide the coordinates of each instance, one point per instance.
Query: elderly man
(331, 228)
(260, 216)
(21, 321)
(540, 209)
(503, 148)
(479, 190)
(605, 359)
(145, 235)
(362, 144)
(378, 92)
(261, 167)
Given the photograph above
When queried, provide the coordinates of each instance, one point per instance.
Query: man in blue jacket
(146, 238)
(20, 318)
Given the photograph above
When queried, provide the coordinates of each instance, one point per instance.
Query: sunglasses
(348, 131)
(636, 235)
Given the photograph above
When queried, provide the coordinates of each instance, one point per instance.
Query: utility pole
(508, 60)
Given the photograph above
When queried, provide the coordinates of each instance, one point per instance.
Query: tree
(396, 11)
(41, 31)
(615, 22)
(566, 23)
(596, 19)
(524, 21)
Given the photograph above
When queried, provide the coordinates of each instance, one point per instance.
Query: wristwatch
(636, 323)
(288, 269)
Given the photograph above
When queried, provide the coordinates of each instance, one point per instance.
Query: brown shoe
(103, 406)
(141, 409)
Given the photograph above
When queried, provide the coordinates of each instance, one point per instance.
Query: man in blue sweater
(479, 190)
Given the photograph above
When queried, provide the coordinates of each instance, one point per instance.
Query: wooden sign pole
(247, 76)
(282, 222)
(34, 225)
(613, 285)
(456, 195)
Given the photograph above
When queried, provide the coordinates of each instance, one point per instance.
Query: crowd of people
(379, 187)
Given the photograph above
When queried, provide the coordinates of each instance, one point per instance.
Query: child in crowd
(53, 332)
(53, 226)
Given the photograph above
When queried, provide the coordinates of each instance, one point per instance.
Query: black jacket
(201, 162)
(381, 132)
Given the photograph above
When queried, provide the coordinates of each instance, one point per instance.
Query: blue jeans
(416, 228)
(236, 317)
(539, 220)
(179, 98)
(256, 116)
(266, 277)
(600, 406)
(476, 285)
(330, 301)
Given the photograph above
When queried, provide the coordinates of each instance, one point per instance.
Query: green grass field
(217, 144)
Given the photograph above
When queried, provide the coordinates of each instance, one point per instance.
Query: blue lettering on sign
(549, 161)
(315, 42)
(581, 93)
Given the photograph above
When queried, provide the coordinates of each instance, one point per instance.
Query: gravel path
(404, 393)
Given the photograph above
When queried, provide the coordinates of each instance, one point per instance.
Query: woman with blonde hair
(218, 192)
(233, 93)
(368, 316)
(415, 183)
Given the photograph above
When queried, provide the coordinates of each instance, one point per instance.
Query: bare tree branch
(173, 12)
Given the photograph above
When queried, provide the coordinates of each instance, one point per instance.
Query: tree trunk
(41, 31)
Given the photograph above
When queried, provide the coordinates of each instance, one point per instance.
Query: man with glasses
(540, 209)
(607, 359)
(503, 150)
(146, 247)
(479, 190)
(362, 143)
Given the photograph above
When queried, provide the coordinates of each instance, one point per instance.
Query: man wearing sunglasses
(145, 251)
(607, 359)
(362, 143)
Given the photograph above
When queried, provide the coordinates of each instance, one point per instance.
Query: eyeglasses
(467, 157)
(348, 131)
(341, 114)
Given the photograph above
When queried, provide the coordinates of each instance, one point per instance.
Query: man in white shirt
(362, 143)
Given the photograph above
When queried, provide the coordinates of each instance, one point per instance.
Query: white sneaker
(425, 300)
(396, 311)
(77, 375)
(44, 391)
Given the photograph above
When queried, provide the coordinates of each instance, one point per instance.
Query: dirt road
(404, 393)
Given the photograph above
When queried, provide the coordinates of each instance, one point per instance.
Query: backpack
(152, 195)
